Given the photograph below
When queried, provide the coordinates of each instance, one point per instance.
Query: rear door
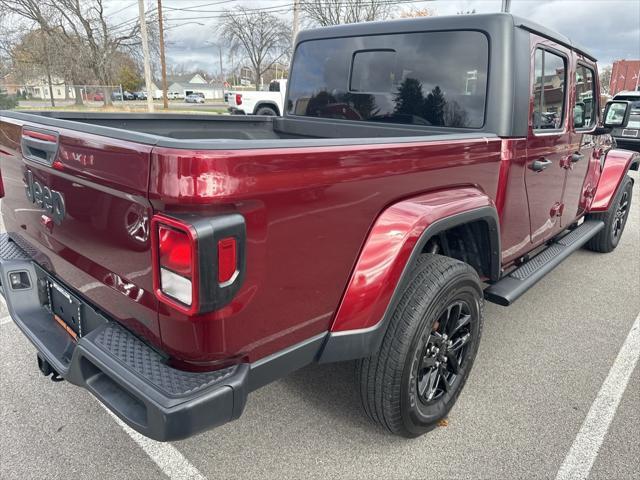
(585, 105)
(81, 200)
(549, 138)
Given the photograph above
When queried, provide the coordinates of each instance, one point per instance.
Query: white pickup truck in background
(270, 102)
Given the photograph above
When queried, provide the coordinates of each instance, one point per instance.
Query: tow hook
(46, 369)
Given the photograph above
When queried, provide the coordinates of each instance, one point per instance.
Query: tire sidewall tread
(433, 280)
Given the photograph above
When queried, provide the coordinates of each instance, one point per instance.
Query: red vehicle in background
(172, 264)
(95, 97)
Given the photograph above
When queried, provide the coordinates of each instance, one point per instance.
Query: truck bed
(298, 193)
(236, 132)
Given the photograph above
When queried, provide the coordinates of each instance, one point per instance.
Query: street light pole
(163, 63)
(506, 6)
(145, 51)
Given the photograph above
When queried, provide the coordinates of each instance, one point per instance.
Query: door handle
(540, 164)
(576, 157)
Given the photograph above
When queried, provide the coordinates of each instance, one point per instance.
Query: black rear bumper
(236, 111)
(123, 372)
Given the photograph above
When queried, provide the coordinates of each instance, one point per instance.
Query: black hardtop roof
(493, 23)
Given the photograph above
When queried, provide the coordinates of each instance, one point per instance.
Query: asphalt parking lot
(541, 366)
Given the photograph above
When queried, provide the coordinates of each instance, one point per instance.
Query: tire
(394, 384)
(265, 110)
(614, 219)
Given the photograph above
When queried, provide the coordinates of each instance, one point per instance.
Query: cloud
(609, 29)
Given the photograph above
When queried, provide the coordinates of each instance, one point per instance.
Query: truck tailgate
(80, 201)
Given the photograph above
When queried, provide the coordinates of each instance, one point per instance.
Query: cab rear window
(430, 79)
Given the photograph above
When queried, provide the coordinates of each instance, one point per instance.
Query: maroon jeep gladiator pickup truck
(172, 264)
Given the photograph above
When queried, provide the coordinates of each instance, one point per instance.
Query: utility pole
(222, 79)
(163, 63)
(145, 51)
(296, 21)
(506, 6)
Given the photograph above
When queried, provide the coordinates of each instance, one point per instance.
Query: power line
(280, 8)
(131, 21)
(195, 8)
(111, 14)
(283, 8)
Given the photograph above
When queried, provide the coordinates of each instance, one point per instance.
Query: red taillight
(238, 99)
(175, 250)
(227, 259)
(198, 264)
(175, 269)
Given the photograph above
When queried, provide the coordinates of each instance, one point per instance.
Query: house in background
(187, 78)
(8, 84)
(38, 88)
(184, 85)
(156, 91)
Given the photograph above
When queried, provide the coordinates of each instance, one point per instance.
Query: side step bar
(509, 288)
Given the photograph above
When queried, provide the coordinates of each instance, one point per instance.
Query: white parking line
(584, 450)
(172, 463)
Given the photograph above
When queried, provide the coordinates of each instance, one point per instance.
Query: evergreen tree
(7, 102)
(409, 100)
(434, 106)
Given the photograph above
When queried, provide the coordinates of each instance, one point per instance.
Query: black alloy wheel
(445, 352)
(622, 211)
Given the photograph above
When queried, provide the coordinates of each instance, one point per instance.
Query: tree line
(78, 42)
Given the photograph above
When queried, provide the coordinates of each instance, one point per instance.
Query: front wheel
(428, 349)
(614, 219)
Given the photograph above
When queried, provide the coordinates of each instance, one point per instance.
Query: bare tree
(84, 26)
(32, 59)
(336, 12)
(262, 38)
(605, 79)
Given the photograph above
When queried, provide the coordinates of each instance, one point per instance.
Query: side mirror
(616, 113)
(579, 112)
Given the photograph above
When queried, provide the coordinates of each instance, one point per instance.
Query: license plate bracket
(65, 306)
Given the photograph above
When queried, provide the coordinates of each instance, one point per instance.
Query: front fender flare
(616, 166)
(396, 240)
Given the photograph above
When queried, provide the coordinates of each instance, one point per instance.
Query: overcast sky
(610, 29)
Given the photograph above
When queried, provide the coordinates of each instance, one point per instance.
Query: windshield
(634, 117)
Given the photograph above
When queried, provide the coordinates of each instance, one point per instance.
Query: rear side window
(585, 97)
(433, 78)
(550, 79)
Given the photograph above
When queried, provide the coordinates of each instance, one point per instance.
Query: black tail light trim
(206, 232)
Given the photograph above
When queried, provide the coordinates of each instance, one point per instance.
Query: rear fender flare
(397, 238)
(261, 104)
(616, 165)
